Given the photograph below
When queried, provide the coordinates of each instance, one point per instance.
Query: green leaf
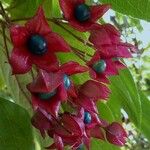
(7, 1)
(47, 5)
(74, 42)
(56, 11)
(124, 96)
(102, 145)
(125, 93)
(15, 127)
(145, 115)
(135, 8)
(111, 110)
(23, 8)
(2, 82)
(106, 112)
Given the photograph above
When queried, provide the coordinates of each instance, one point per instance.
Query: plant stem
(3, 13)
(5, 43)
(79, 54)
(84, 53)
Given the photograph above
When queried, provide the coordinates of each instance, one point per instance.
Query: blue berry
(82, 13)
(46, 96)
(87, 118)
(37, 45)
(67, 82)
(100, 66)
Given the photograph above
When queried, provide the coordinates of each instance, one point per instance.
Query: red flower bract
(22, 58)
(67, 129)
(95, 90)
(46, 83)
(68, 7)
(43, 125)
(88, 94)
(106, 40)
(113, 65)
(70, 130)
(50, 82)
(116, 134)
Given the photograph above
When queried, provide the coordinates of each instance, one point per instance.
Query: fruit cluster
(36, 44)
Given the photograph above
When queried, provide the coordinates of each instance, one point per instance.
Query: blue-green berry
(46, 96)
(82, 13)
(87, 118)
(67, 82)
(37, 45)
(80, 147)
(100, 66)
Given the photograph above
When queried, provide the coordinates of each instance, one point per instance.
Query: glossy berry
(87, 118)
(46, 96)
(67, 82)
(37, 45)
(80, 147)
(82, 12)
(100, 66)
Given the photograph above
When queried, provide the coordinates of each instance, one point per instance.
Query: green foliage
(7, 1)
(125, 92)
(135, 8)
(101, 145)
(23, 8)
(145, 113)
(15, 127)
(124, 96)
(55, 11)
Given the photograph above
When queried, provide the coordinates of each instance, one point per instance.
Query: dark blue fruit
(100, 66)
(82, 12)
(46, 96)
(37, 45)
(67, 82)
(87, 118)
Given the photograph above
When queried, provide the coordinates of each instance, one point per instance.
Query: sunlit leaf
(15, 127)
(135, 8)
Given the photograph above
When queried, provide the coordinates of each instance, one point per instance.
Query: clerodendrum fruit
(37, 45)
(87, 118)
(46, 96)
(100, 66)
(67, 82)
(82, 12)
(80, 147)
